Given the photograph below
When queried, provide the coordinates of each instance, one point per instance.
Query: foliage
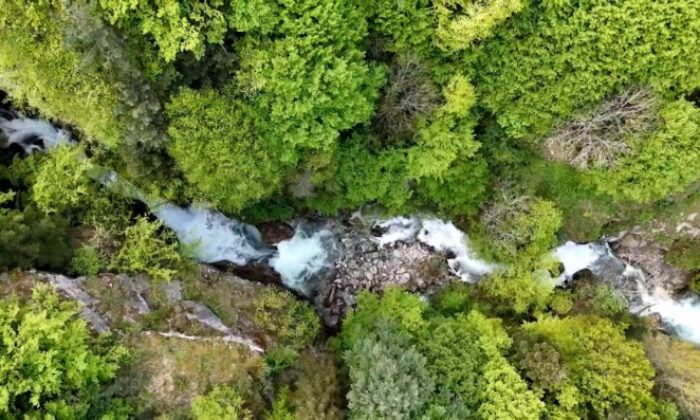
(557, 57)
(220, 403)
(175, 26)
(466, 358)
(462, 22)
(403, 310)
(51, 366)
(684, 254)
(87, 261)
(677, 366)
(29, 238)
(600, 139)
(62, 182)
(520, 227)
(662, 163)
(316, 393)
(606, 373)
(213, 130)
(58, 58)
(388, 375)
(148, 249)
(520, 289)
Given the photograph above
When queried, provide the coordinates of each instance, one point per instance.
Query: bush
(87, 261)
(220, 403)
(150, 250)
(51, 366)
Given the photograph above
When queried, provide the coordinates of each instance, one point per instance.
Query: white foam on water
(445, 237)
(683, 316)
(213, 236)
(20, 130)
(398, 229)
(300, 257)
(576, 257)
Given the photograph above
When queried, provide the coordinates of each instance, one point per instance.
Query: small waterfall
(441, 236)
(32, 134)
(212, 236)
(302, 257)
(681, 316)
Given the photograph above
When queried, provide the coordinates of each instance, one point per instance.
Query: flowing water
(308, 255)
(32, 134)
(682, 316)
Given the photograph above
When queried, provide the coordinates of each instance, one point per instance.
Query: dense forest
(281, 123)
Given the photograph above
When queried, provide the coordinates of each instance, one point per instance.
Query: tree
(388, 376)
(50, 364)
(521, 288)
(62, 181)
(601, 138)
(57, 57)
(31, 239)
(661, 163)
(175, 25)
(518, 227)
(462, 22)
(403, 310)
(557, 57)
(465, 360)
(606, 373)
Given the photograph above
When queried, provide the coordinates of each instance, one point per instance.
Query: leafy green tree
(388, 376)
(461, 22)
(520, 228)
(148, 249)
(316, 389)
(606, 373)
(520, 288)
(662, 163)
(214, 130)
(557, 57)
(175, 26)
(221, 403)
(465, 360)
(50, 365)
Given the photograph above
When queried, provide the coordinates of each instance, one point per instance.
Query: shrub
(87, 261)
(51, 366)
(221, 403)
(148, 249)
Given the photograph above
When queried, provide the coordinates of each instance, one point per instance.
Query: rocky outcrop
(638, 249)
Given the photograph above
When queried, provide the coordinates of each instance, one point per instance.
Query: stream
(328, 261)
